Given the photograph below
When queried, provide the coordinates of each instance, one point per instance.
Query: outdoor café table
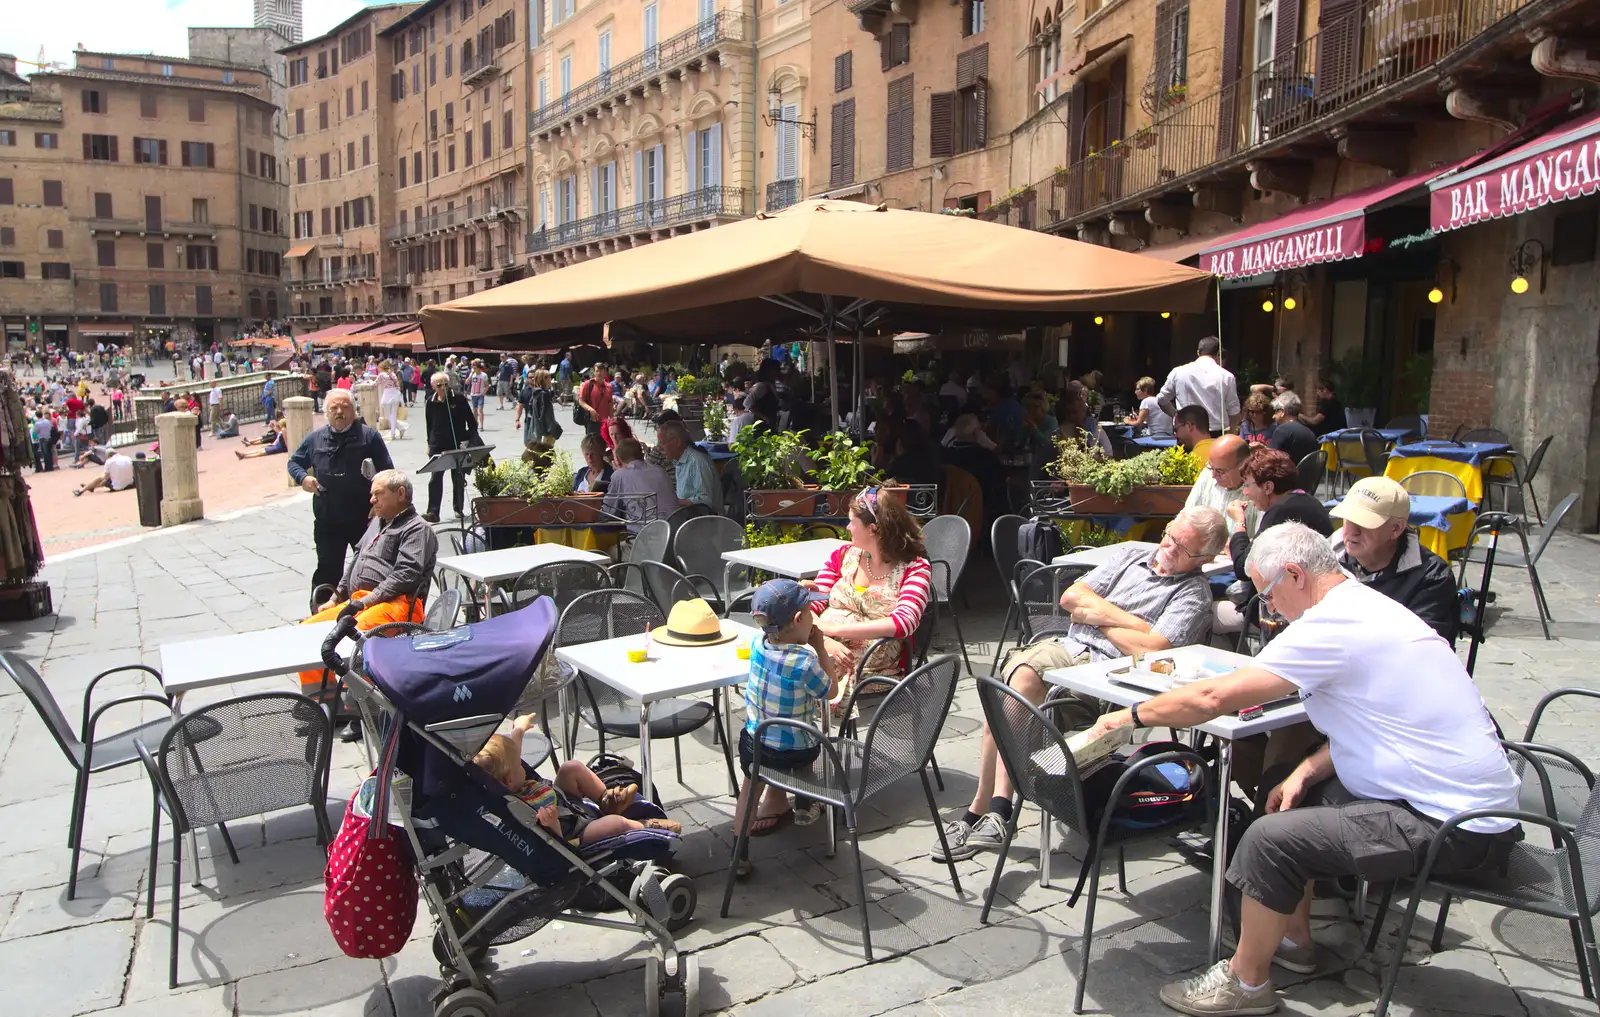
(804, 559)
(1351, 439)
(668, 673)
(1097, 556)
(1433, 515)
(488, 568)
(1153, 441)
(1466, 461)
(1094, 680)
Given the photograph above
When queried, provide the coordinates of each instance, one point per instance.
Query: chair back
(733, 492)
(1411, 423)
(906, 726)
(649, 544)
(699, 546)
(1536, 459)
(44, 704)
(244, 757)
(963, 496)
(1376, 449)
(666, 585)
(948, 540)
(1039, 590)
(678, 517)
(443, 611)
(1003, 539)
(1551, 524)
(597, 615)
(462, 539)
(1492, 435)
(1434, 483)
(1555, 783)
(561, 581)
(1311, 470)
(1034, 754)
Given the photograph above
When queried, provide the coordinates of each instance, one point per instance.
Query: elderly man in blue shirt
(697, 480)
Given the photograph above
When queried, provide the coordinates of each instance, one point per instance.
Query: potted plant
(844, 467)
(1355, 381)
(1145, 138)
(769, 465)
(516, 493)
(1062, 175)
(1154, 483)
(715, 418)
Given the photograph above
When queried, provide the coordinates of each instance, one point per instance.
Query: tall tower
(282, 15)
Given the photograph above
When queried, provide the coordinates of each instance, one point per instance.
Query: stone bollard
(366, 394)
(297, 411)
(180, 472)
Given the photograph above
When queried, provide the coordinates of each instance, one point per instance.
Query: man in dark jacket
(451, 425)
(328, 464)
(1377, 547)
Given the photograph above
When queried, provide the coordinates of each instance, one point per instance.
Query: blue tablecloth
(1354, 434)
(1472, 452)
(717, 450)
(1435, 509)
(1149, 442)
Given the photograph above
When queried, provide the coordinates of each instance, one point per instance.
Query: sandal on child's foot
(669, 825)
(808, 814)
(616, 800)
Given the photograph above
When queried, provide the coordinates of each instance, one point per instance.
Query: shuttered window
(842, 160)
(1338, 46)
(1232, 51)
(843, 72)
(972, 106)
(894, 46)
(942, 125)
(900, 126)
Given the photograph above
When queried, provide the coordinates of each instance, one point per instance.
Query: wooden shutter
(1116, 99)
(972, 66)
(88, 147)
(1232, 53)
(161, 150)
(6, 194)
(1286, 36)
(942, 125)
(113, 148)
(842, 154)
(900, 124)
(843, 71)
(886, 50)
(102, 205)
(1338, 47)
(900, 44)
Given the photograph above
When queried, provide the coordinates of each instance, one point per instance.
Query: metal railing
(485, 66)
(706, 203)
(783, 193)
(450, 218)
(332, 276)
(1356, 55)
(724, 26)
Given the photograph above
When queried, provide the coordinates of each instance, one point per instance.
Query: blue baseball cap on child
(777, 601)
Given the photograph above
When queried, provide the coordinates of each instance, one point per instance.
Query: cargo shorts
(1073, 712)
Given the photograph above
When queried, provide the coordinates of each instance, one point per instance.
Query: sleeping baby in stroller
(553, 802)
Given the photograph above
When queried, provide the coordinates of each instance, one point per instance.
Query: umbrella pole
(857, 378)
(833, 373)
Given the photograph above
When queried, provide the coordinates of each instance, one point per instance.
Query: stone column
(366, 394)
(297, 411)
(180, 472)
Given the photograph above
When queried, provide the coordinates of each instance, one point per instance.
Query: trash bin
(147, 489)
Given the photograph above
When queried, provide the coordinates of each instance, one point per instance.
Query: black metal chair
(1003, 542)
(1492, 435)
(1375, 448)
(1431, 483)
(1558, 881)
(1039, 588)
(869, 689)
(1511, 473)
(949, 542)
(85, 753)
(1311, 470)
(606, 614)
(443, 610)
(1044, 773)
(1526, 559)
(561, 581)
(1569, 777)
(899, 742)
(237, 758)
(678, 517)
(666, 586)
(649, 544)
(699, 546)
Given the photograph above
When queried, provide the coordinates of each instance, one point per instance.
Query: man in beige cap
(1377, 547)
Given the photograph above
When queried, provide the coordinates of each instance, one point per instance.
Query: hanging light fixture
(1166, 314)
(1436, 295)
(1288, 303)
(1099, 319)
(1530, 254)
(1266, 305)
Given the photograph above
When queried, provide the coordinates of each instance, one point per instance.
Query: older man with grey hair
(1138, 602)
(1409, 746)
(695, 477)
(1289, 434)
(329, 464)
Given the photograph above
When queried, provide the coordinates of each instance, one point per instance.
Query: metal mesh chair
(699, 546)
(949, 541)
(1039, 589)
(1561, 881)
(899, 742)
(1375, 449)
(1527, 559)
(1492, 435)
(666, 586)
(561, 581)
(1568, 776)
(1511, 473)
(1311, 470)
(1434, 483)
(1044, 773)
(606, 614)
(649, 544)
(1003, 541)
(237, 758)
(869, 689)
(86, 754)
(678, 517)
(443, 611)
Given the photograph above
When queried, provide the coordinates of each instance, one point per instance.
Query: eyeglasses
(1266, 594)
(1168, 538)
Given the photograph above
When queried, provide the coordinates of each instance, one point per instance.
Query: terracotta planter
(573, 510)
(806, 501)
(1145, 140)
(1155, 500)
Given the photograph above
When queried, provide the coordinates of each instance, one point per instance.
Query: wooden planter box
(1155, 500)
(574, 510)
(1145, 140)
(805, 501)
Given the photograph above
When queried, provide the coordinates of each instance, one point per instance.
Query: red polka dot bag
(370, 888)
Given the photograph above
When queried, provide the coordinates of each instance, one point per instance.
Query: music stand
(457, 459)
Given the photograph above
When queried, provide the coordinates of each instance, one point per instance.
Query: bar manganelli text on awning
(1333, 242)
(1557, 169)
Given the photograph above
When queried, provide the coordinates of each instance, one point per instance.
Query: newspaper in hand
(1087, 751)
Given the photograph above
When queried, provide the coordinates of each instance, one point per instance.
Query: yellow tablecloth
(582, 539)
(1439, 542)
(1357, 466)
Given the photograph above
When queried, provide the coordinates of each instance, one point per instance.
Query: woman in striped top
(877, 586)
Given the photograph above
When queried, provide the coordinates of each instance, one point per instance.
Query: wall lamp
(1529, 255)
(774, 116)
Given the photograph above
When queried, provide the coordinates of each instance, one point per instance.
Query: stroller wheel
(467, 1003)
(475, 954)
(652, 987)
(681, 896)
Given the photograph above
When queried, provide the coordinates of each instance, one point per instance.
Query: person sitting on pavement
(388, 577)
(118, 476)
(1376, 547)
(635, 476)
(270, 435)
(227, 426)
(1409, 745)
(1138, 602)
(1189, 428)
(695, 476)
(279, 445)
(1288, 433)
(1221, 483)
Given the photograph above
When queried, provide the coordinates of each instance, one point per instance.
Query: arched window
(1050, 78)
(255, 305)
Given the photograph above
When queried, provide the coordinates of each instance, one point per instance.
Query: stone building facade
(140, 200)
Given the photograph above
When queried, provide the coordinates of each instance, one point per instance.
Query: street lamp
(774, 116)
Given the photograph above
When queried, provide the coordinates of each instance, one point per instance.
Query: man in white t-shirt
(1203, 382)
(117, 477)
(1410, 744)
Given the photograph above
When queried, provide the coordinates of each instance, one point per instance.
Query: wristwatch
(1133, 711)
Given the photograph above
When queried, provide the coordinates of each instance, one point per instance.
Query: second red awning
(1562, 165)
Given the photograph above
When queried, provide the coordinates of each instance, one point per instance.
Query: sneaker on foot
(988, 833)
(1217, 992)
(954, 847)
(1300, 958)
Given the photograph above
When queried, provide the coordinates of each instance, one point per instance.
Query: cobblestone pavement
(254, 942)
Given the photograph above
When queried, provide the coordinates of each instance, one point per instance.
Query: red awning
(343, 328)
(1562, 165)
(1332, 230)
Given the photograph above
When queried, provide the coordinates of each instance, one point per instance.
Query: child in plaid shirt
(790, 677)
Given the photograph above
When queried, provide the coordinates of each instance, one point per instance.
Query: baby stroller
(490, 873)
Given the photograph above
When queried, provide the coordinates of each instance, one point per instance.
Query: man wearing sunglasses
(1409, 745)
(1139, 602)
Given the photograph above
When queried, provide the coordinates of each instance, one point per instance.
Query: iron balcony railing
(486, 66)
(723, 27)
(333, 276)
(783, 193)
(706, 203)
(1355, 55)
(440, 222)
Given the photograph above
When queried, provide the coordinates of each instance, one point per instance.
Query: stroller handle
(342, 630)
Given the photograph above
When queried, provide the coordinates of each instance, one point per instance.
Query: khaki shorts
(1073, 712)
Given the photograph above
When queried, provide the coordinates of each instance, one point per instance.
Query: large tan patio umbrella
(819, 263)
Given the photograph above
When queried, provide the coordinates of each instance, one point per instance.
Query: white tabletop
(1097, 556)
(671, 670)
(221, 660)
(1092, 680)
(511, 562)
(801, 560)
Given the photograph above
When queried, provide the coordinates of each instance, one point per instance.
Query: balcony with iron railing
(1361, 59)
(695, 206)
(783, 193)
(450, 219)
(333, 275)
(500, 259)
(483, 68)
(657, 61)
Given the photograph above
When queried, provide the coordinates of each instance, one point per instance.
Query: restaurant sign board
(1309, 245)
(1558, 167)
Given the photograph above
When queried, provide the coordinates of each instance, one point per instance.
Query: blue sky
(135, 26)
